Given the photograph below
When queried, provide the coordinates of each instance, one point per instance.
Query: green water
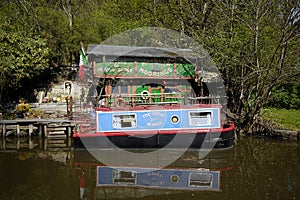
(255, 168)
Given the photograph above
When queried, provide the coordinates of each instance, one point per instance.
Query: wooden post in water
(40, 130)
(3, 129)
(4, 143)
(71, 110)
(18, 130)
(69, 129)
(18, 144)
(30, 144)
(45, 130)
(30, 129)
(45, 143)
(69, 106)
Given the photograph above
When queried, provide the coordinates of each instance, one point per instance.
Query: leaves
(255, 44)
(21, 56)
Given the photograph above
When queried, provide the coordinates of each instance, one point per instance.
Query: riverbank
(282, 123)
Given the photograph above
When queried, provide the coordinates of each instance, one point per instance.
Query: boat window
(124, 121)
(200, 118)
(200, 180)
(124, 177)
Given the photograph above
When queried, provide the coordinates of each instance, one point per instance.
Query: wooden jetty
(48, 128)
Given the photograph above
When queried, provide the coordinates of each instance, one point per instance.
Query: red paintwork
(142, 77)
(155, 107)
(229, 127)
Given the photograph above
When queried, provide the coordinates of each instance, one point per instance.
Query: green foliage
(255, 44)
(285, 96)
(22, 56)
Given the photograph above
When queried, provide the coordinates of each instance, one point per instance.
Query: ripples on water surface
(255, 168)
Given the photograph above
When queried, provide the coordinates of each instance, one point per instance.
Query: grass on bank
(286, 119)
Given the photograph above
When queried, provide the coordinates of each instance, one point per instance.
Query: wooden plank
(57, 136)
(61, 141)
(56, 145)
(58, 125)
(10, 127)
(56, 133)
(56, 129)
(42, 125)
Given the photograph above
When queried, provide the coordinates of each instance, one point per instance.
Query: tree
(256, 50)
(255, 44)
(22, 56)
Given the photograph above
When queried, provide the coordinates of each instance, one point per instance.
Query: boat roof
(185, 55)
(131, 51)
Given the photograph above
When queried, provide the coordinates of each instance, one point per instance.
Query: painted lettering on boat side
(154, 123)
(154, 114)
(146, 72)
(154, 173)
(154, 119)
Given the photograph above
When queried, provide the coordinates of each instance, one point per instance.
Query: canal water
(255, 168)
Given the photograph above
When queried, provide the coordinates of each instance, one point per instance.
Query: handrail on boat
(156, 99)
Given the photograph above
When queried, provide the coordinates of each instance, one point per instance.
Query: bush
(286, 96)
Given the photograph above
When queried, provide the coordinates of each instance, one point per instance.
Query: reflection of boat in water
(187, 174)
(185, 179)
(150, 97)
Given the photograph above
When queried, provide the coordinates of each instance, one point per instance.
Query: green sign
(115, 69)
(155, 69)
(123, 69)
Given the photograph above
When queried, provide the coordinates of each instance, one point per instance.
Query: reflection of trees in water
(36, 178)
(264, 169)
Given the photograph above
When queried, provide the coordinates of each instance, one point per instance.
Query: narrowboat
(152, 97)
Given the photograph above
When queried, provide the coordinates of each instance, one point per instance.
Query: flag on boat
(82, 63)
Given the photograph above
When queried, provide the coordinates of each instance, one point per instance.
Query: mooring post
(40, 143)
(18, 130)
(69, 142)
(40, 130)
(45, 130)
(45, 143)
(30, 129)
(69, 131)
(30, 144)
(4, 143)
(18, 144)
(70, 107)
(3, 129)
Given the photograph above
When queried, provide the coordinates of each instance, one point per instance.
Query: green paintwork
(127, 69)
(115, 68)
